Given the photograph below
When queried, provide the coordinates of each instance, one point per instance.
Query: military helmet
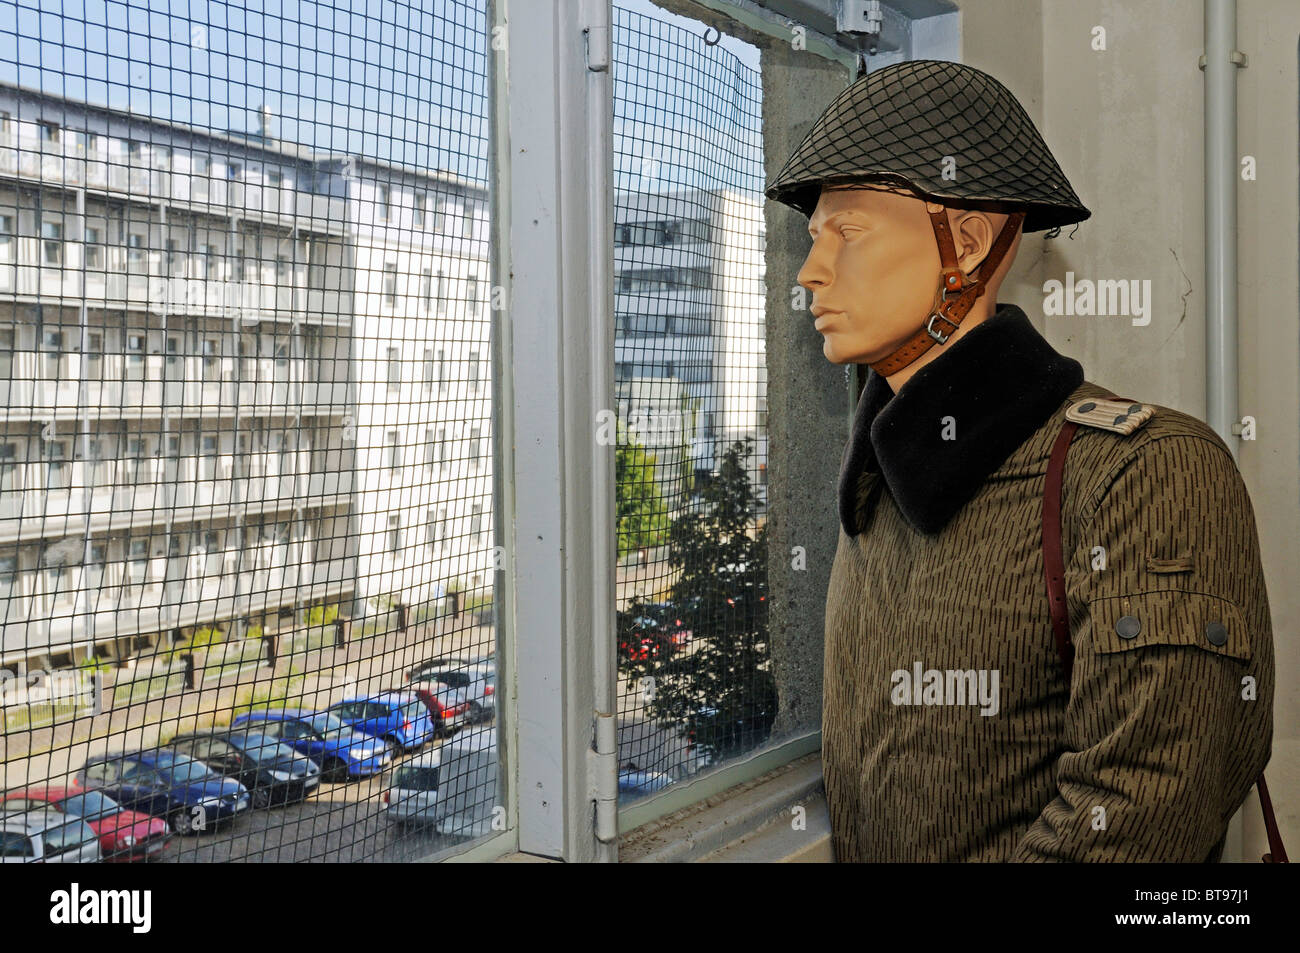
(901, 123)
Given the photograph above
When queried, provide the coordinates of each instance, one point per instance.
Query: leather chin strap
(957, 292)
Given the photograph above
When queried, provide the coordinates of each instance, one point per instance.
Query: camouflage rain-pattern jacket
(949, 730)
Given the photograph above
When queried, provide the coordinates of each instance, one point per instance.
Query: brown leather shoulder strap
(1054, 572)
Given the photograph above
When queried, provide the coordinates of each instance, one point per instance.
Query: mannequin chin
(874, 271)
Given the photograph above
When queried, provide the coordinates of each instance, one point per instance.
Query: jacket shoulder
(1099, 450)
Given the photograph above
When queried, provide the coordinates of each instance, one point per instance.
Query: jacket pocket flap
(1170, 617)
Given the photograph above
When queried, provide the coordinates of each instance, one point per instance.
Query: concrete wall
(1126, 125)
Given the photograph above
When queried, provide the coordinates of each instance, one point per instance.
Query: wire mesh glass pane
(695, 686)
(239, 597)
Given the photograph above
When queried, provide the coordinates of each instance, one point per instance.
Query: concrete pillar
(808, 402)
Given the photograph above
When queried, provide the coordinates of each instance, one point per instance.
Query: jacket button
(1128, 627)
(1216, 633)
(1085, 407)
(1121, 418)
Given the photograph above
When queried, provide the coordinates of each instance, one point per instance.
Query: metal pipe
(1220, 62)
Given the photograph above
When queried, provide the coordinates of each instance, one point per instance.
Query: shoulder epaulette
(1118, 416)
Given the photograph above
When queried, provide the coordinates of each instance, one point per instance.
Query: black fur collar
(998, 383)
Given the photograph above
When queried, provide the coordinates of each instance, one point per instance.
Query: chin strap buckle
(939, 335)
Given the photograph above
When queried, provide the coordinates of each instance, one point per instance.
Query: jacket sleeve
(1169, 718)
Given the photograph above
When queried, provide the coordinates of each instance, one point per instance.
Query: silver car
(47, 837)
(477, 681)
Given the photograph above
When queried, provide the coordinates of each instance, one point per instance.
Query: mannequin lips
(821, 318)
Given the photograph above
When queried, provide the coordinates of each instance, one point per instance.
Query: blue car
(189, 795)
(400, 718)
(341, 751)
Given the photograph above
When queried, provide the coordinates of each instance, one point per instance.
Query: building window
(95, 355)
(210, 446)
(49, 133)
(86, 143)
(475, 447)
(56, 465)
(210, 351)
(418, 212)
(393, 362)
(390, 284)
(440, 214)
(52, 244)
(385, 202)
(52, 348)
(430, 370)
(476, 523)
(233, 170)
(6, 239)
(469, 221)
(281, 266)
(135, 344)
(207, 255)
(442, 446)
(473, 370)
(426, 289)
(9, 468)
(430, 529)
(394, 532)
(139, 561)
(430, 450)
(7, 342)
(135, 248)
(393, 450)
(442, 292)
(442, 373)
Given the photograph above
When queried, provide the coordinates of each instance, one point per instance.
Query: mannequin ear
(974, 234)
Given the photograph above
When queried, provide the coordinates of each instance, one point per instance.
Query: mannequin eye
(851, 231)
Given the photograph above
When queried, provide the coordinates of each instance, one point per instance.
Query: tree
(718, 689)
(642, 515)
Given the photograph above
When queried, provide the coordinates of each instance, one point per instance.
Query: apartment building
(689, 310)
(197, 345)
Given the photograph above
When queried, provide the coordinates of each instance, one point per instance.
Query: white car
(453, 788)
(47, 837)
(477, 681)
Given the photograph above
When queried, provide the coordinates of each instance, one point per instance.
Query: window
(281, 267)
(430, 529)
(471, 295)
(430, 451)
(53, 364)
(442, 446)
(393, 450)
(135, 247)
(426, 289)
(175, 258)
(94, 246)
(207, 260)
(442, 373)
(442, 292)
(137, 472)
(162, 157)
(476, 523)
(275, 179)
(390, 284)
(95, 355)
(468, 223)
(49, 133)
(56, 464)
(418, 211)
(6, 239)
(440, 214)
(210, 351)
(475, 449)
(473, 371)
(385, 202)
(394, 532)
(233, 170)
(393, 362)
(52, 244)
(429, 370)
(135, 152)
(85, 143)
(6, 354)
(138, 567)
(201, 166)
(9, 468)
(135, 344)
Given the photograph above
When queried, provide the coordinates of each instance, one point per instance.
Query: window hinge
(602, 776)
(597, 48)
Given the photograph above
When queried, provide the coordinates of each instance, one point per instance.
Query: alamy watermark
(932, 686)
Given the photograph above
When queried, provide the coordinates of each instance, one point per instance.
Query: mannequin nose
(815, 273)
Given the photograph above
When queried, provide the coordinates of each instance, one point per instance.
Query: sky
(400, 81)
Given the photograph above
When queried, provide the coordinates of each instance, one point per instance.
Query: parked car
(399, 718)
(453, 787)
(642, 636)
(448, 707)
(633, 782)
(477, 681)
(669, 618)
(450, 662)
(46, 837)
(123, 835)
(411, 797)
(190, 795)
(341, 751)
(273, 772)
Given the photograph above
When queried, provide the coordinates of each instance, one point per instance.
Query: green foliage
(642, 515)
(274, 694)
(719, 689)
(93, 664)
(204, 637)
(321, 615)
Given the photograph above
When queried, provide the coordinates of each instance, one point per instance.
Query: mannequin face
(874, 270)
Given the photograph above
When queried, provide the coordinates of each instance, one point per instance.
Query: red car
(123, 835)
(447, 706)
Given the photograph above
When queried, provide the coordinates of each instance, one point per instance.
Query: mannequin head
(874, 271)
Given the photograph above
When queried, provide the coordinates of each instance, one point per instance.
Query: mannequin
(918, 182)
(874, 265)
